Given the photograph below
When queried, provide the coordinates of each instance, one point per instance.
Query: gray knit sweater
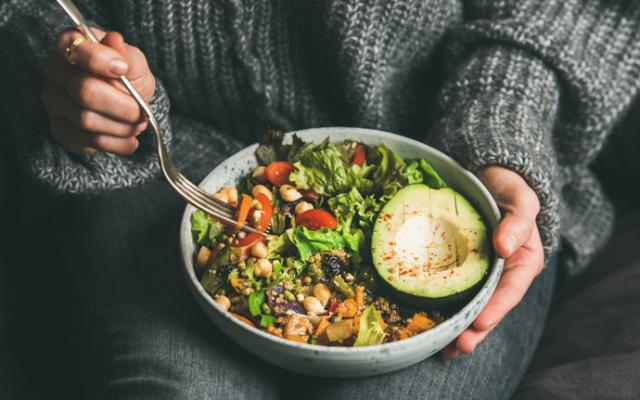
(534, 85)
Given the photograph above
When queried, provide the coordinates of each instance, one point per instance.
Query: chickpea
(224, 302)
(259, 250)
(313, 305)
(256, 216)
(260, 174)
(232, 194)
(263, 268)
(289, 193)
(302, 207)
(221, 196)
(204, 256)
(322, 293)
(262, 189)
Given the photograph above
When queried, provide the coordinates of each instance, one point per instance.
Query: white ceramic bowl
(347, 361)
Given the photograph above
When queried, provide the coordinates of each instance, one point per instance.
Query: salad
(325, 276)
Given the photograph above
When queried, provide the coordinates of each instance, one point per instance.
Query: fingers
(93, 93)
(520, 270)
(451, 351)
(95, 58)
(77, 140)
(59, 103)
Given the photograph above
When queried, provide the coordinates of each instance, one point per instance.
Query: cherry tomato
(359, 155)
(267, 210)
(278, 172)
(309, 195)
(249, 240)
(316, 219)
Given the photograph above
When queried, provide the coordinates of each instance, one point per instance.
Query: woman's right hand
(89, 108)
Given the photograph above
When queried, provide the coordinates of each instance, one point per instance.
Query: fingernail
(118, 67)
(511, 243)
(141, 127)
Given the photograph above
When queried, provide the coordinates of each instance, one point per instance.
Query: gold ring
(68, 52)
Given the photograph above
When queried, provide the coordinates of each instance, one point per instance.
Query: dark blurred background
(45, 342)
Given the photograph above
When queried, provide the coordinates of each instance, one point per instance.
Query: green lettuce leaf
(345, 206)
(321, 168)
(279, 246)
(413, 174)
(388, 166)
(431, 177)
(310, 242)
(371, 332)
(272, 149)
(353, 239)
(204, 230)
(256, 299)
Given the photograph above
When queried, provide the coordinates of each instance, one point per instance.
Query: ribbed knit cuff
(74, 173)
(499, 109)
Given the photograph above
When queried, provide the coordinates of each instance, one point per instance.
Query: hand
(89, 109)
(517, 240)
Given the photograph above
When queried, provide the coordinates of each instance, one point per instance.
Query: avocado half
(430, 247)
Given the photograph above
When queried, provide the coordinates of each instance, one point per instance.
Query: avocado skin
(448, 305)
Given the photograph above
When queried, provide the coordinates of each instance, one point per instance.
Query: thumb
(520, 205)
(514, 230)
(116, 42)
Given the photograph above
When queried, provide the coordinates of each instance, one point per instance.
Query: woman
(530, 89)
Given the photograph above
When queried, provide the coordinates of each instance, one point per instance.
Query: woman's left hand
(517, 240)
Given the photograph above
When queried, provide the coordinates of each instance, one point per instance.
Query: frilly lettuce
(321, 168)
(204, 230)
(310, 242)
(371, 332)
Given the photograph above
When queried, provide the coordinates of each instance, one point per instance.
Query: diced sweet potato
(420, 323)
(296, 338)
(322, 327)
(348, 308)
(243, 319)
(274, 331)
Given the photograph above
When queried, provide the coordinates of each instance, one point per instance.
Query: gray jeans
(122, 249)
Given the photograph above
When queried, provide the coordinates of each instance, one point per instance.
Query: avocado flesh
(430, 246)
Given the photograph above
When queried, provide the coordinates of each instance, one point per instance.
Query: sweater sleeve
(536, 84)
(27, 31)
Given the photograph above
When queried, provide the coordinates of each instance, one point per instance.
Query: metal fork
(185, 188)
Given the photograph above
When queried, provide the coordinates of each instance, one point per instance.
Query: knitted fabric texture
(532, 85)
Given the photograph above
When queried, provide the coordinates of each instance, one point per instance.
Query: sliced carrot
(243, 319)
(243, 211)
(274, 331)
(322, 327)
(356, 323)
(360, 296)
(237, 284)
(296, 338)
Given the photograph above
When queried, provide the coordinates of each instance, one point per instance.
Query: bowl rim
(496, 266)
